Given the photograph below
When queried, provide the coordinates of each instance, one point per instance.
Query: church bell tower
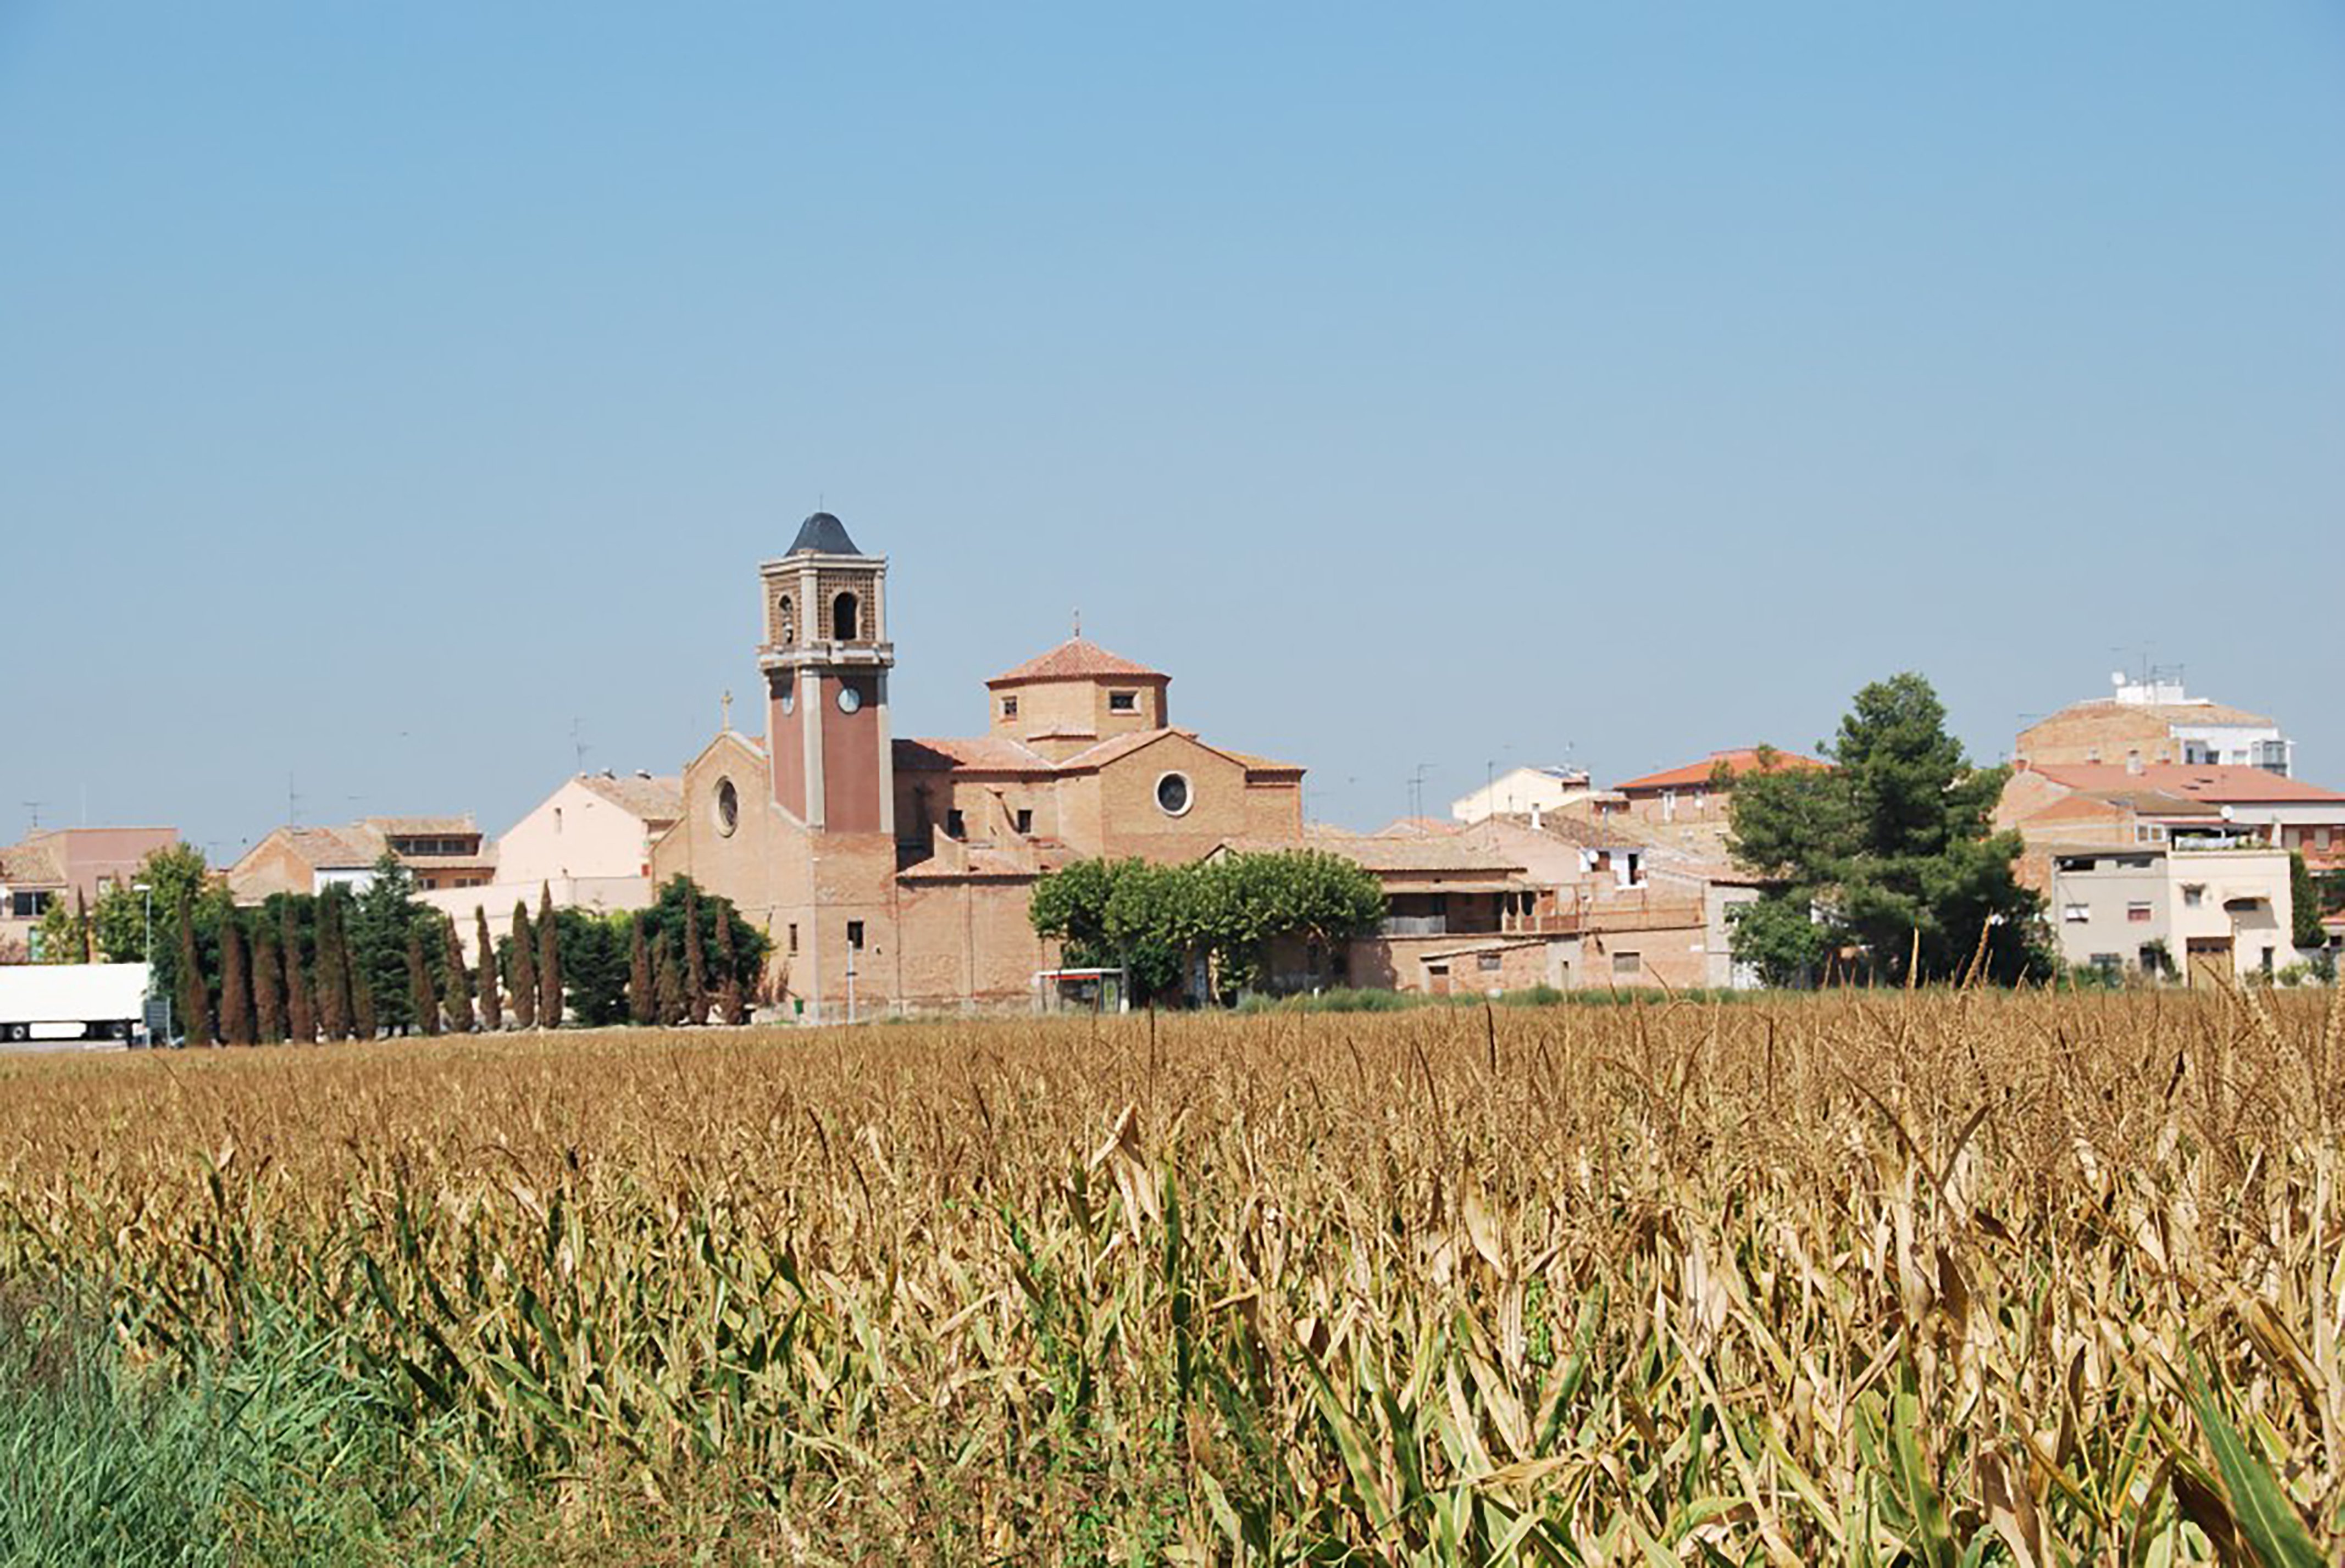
(826, 658)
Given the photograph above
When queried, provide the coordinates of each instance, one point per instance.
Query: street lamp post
(146, 891)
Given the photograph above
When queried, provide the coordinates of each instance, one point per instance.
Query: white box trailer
(95, 1006)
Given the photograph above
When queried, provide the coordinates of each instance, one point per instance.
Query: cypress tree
(641, 1005)
(268, 982)
(300, 1012)
(521, 974)
(667, 985)
(195, 997)
(548, 962)
(455, 985)
(81, 928)
(237, 1027)
(492, 1012)
(729, 1001)
(420, 995)
(333, 974)
(363, 1026)
(696, 974)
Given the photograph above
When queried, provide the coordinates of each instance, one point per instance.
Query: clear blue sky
(386, 389)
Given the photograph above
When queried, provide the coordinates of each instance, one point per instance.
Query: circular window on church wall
(728, 808)
(1172, 794)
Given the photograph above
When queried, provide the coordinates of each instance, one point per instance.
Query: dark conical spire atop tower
(823, 534)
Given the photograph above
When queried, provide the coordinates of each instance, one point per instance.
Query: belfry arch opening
(844, 618)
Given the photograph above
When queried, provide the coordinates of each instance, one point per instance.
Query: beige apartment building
(2200, 915)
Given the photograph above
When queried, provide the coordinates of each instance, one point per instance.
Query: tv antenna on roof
(578, 747)
(35, 807)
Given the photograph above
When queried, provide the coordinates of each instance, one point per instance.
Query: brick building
(895, 872)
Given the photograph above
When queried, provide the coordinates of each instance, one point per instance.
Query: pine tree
(420, 995)
(492, 1012)
(268, 982)
(548, 962)
(667, 985)
(300, 1011)
(643, 1008)
(521, 973)
(455, 985)
(237, 1025)
(333, 970)
(696, 974)
(729, 1007)
(195, 997)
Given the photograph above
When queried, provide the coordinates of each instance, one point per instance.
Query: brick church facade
(895, 872)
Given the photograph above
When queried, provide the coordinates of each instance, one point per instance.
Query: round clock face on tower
(849, 699)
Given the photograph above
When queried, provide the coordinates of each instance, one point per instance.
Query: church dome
(823, 534)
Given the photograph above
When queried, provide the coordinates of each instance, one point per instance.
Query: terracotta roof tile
(980, 753)
(1744, 758)
(655, 799)
(1075, 660)
(2219, 783)
(413, 827)
(28, 865)
(2197, 712)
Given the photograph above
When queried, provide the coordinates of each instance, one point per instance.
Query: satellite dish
(2116, 677)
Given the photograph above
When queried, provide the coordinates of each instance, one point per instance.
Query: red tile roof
(1076, 660)
(1744, 758)
(2221, 782)
(980, 753)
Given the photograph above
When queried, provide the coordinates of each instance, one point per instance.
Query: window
(1123, 701)
(557, 822)
(29, 905)
(728, 808)
(2137, 914)
(1024, 820)
(1627, 963)
(2075, 914)
(956, 825)
(1172, 797)
(855, 935)
(2194, 893)
(2108, 963)
(794, 937)
(786, 622)
(846, 621)
(1009, 707)
(1487, 963)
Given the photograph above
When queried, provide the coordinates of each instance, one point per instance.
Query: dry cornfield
(1935, 1279)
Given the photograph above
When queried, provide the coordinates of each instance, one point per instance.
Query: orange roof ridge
(1076, 658)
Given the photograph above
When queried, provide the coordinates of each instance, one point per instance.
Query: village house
(2167, 909)
(441, 851)
(1702, 792)
(1518, 791)
(2152, 720)
(587, 845)
(2190, 806)
(65, 863)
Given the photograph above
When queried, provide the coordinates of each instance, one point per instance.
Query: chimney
(1539, 818)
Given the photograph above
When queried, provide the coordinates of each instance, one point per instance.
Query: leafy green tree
(195, 995)
(423, 1001)
(173, 872)
(384, 916)
(695, 967)
(301, 1008)
(521, 966)
(667, 984)
(594, 965)
(336, 1009)
(455, 983)
(666, 917)
(2304, 897)
(492, 1017)
(268, 980)
(63, 935)
(643, 1008)
(548, 962)
(239, 1025)
(1887, 859)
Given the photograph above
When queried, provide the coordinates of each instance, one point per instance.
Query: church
(895, 872)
